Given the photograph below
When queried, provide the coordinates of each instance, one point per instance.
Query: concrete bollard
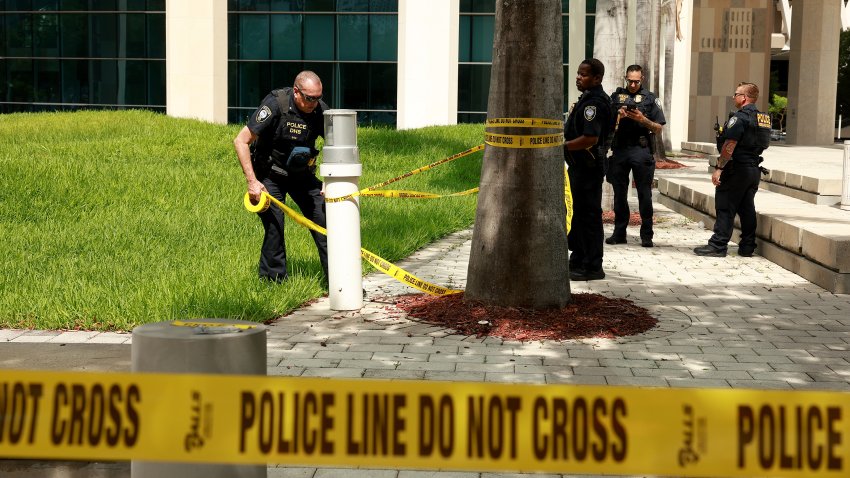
(341, 170)
(203, 346)
(845, 183)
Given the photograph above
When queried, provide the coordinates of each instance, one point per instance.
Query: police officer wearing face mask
(585, 134)
(639, 118)
(737, 175)
(277, 152)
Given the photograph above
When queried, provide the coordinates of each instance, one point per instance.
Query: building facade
(198, 58)
(407, 63)
(70, 54)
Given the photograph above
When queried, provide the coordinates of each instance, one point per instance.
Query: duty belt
(279, 170)
(641, 141)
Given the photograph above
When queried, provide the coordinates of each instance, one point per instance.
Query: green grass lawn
(113, 219)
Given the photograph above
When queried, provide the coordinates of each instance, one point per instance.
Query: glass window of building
(475, 57)
(351, 44)
(73, 54)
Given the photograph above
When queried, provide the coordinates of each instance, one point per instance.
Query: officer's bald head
(305, 77)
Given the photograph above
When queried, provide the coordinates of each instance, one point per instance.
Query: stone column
(196, 59)
(680, 102)
(427, 62)
(813, 71)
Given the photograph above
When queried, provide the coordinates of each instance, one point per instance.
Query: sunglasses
(632, 82)
(308, 98)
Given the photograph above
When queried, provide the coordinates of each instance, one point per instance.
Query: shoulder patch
(732, 122)
(589, 112)
(264, 114)
(658, 102)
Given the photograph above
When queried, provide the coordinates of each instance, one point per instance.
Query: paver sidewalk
(723, 323)
(731, 323)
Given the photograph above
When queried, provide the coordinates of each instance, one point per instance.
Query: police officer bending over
(639, 117)
(737, 176)
(277, 151)
(585, 131)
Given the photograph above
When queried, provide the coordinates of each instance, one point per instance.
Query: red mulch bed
(669, 164)
(586, 316)
(634, 218)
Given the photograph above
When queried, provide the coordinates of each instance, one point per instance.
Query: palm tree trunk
(668, 25)
(643, 55)
(609, 41)
(519, 244)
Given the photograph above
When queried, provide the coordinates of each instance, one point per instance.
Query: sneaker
(647, 243)
(709, 251)
(587, 275)
(615, 240)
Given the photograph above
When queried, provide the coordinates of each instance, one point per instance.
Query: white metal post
(341, 170)
(845, 183)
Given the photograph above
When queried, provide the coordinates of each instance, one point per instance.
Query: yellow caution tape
(405, 277)
(523, 123)
(202, 323)
(568, 199)
(400, 193)
(362, 192)
(428, 425)
(382, 265)
(524, 141)
(261, 206)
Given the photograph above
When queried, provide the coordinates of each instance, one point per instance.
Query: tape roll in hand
(261, 206)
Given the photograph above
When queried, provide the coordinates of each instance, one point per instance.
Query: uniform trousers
(639, 161)
(585, 237)
(306, 191)
(736, 195)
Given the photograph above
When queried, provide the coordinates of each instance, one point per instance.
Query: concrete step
(810, 240)
(808, 173)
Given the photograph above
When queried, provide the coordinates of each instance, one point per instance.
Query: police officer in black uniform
(639, 118)
(277, 152)
(737, 175)
(585, 134)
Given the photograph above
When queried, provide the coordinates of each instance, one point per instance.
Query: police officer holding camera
(738, 173)
(277, 152)
(639, 118)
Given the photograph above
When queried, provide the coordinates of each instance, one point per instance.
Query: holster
(261, 166)
(589, 158)
(569, 158)
(763, 170)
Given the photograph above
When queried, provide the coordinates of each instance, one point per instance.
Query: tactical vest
(757, 136)
(631, 129)
(290, 131)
